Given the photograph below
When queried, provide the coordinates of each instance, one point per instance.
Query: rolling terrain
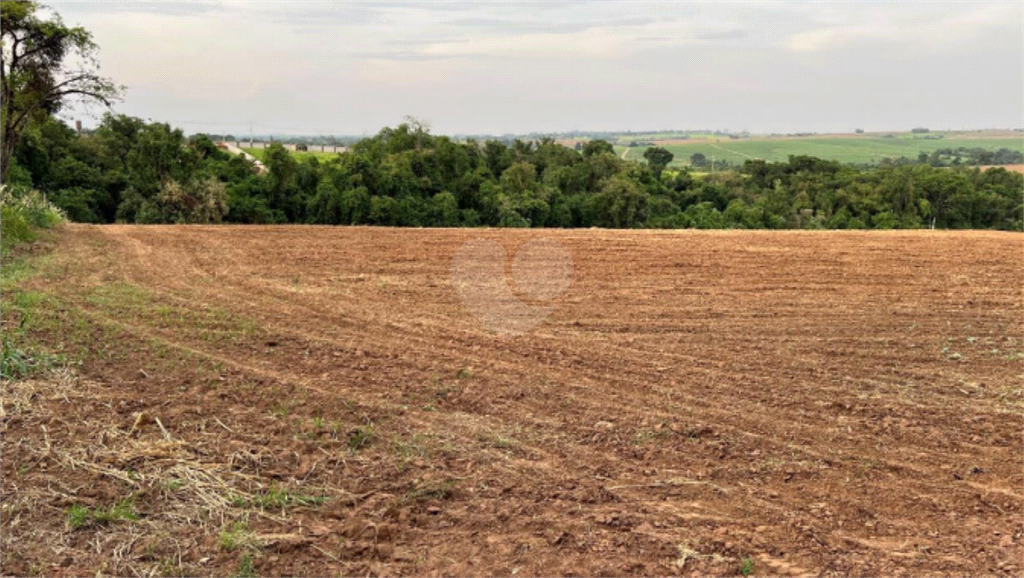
(860, 149)
(296, 400)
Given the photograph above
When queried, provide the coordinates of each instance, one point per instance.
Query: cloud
(927, 30)
(495, 67)
(814, 40)
(512, 26)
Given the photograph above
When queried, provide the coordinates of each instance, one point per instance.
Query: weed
(29, 299)
(15, 271)
(318, 422)
(23, 213)
(79, 515)
(279, 498)
(360, 437)
(13, 361)
(170, 567)
(245, 567)
(237, 536)
(429, 491)
(280, 410)
(746, 567)
(407, 450)
(464, 373)
(119, 512)
(641, 437)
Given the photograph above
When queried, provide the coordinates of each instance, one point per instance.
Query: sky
(348, 68)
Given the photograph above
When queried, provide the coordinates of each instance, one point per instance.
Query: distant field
(843, 148)
(847, 149)
(258, 153)
(1015, 168)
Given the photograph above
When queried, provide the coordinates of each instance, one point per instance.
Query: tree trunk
(6, 150)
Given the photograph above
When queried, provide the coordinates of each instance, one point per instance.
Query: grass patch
(412, 448)
(17, 270)
(246, 569)
(79, 516)
(19, 360)
(278, 498)
(746, 567)
(24, 213)
(845, 149)
(360, 437)
(237, 536)
(431, 491)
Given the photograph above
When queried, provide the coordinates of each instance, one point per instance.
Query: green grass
(430, 491)
(23, 214)
(237, 536)
(845, 149)
(299, 155)
(278, 498)
(245, 567)
(360, 437)
(79, 516)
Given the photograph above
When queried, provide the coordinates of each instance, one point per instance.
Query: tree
(698, 159)
(622, 203)
(35, 80)
(658, 158)
(598, 147)
(199, 202)
(283, 174)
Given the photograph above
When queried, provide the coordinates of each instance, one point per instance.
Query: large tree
(658, 158)
(44, 65)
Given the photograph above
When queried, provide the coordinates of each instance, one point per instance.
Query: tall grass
(22, 213)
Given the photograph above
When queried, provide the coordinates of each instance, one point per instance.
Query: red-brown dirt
(820, 403)
(1014, 168)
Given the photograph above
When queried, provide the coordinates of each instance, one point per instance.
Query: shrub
(202, 201)
(21, 212)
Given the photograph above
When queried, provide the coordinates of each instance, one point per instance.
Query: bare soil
(317, 401)
(1014, 168)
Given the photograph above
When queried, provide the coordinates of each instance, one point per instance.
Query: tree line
(131, 171)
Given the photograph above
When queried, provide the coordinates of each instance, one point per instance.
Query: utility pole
(712, 164)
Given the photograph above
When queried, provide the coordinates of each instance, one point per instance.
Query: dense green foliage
(131, 171)
(22, 213)
(128, 170)
(43, 64)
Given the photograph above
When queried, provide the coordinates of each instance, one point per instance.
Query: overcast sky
(481, 67)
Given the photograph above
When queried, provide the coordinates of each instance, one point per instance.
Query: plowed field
(319, 401)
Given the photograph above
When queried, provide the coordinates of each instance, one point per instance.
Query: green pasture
(846, 149)
(258, 153)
